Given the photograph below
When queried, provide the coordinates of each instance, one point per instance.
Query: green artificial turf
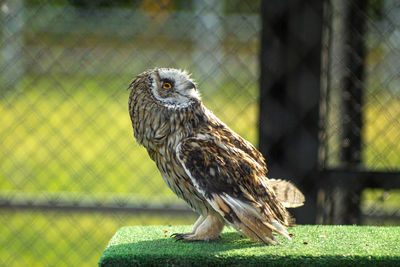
(310, 246)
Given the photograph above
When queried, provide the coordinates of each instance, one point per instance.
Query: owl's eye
(166, 85)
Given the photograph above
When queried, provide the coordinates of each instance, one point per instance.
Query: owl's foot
(190, 237)
(205, 229)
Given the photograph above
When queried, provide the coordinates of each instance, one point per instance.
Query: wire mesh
(379, 103)
(68, 160)
(362, 100)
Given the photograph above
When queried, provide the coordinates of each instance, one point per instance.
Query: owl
(220, 175)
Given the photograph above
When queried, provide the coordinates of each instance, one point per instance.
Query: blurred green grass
(381, 148)
(59, 238)
(69, 138)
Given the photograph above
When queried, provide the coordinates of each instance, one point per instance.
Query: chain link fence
(71, 173)
(361, 100)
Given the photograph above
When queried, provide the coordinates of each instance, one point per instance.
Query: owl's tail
(288, 194)
(245, 218)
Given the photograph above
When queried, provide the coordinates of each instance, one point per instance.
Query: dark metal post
(352, 101)
(339, 199)
(290, 94)
(354, 57)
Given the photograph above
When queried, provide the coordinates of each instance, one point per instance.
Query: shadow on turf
(169, 251)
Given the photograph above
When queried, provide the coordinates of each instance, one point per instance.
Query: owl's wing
(235, 185)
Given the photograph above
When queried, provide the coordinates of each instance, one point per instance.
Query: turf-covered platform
(310, 246)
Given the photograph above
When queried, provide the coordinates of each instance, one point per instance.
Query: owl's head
(172, 88)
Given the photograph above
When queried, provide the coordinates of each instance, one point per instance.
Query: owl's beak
(190, 85)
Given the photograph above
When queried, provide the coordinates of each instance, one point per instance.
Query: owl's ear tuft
(131, 84)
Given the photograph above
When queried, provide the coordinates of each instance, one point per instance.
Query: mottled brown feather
(220, 168)
(288, 194)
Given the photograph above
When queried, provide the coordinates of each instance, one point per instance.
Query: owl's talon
(189, 237)
(179, 237)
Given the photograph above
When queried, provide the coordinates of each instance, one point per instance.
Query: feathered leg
(199, 221)
(196, 225)
(205, 229)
